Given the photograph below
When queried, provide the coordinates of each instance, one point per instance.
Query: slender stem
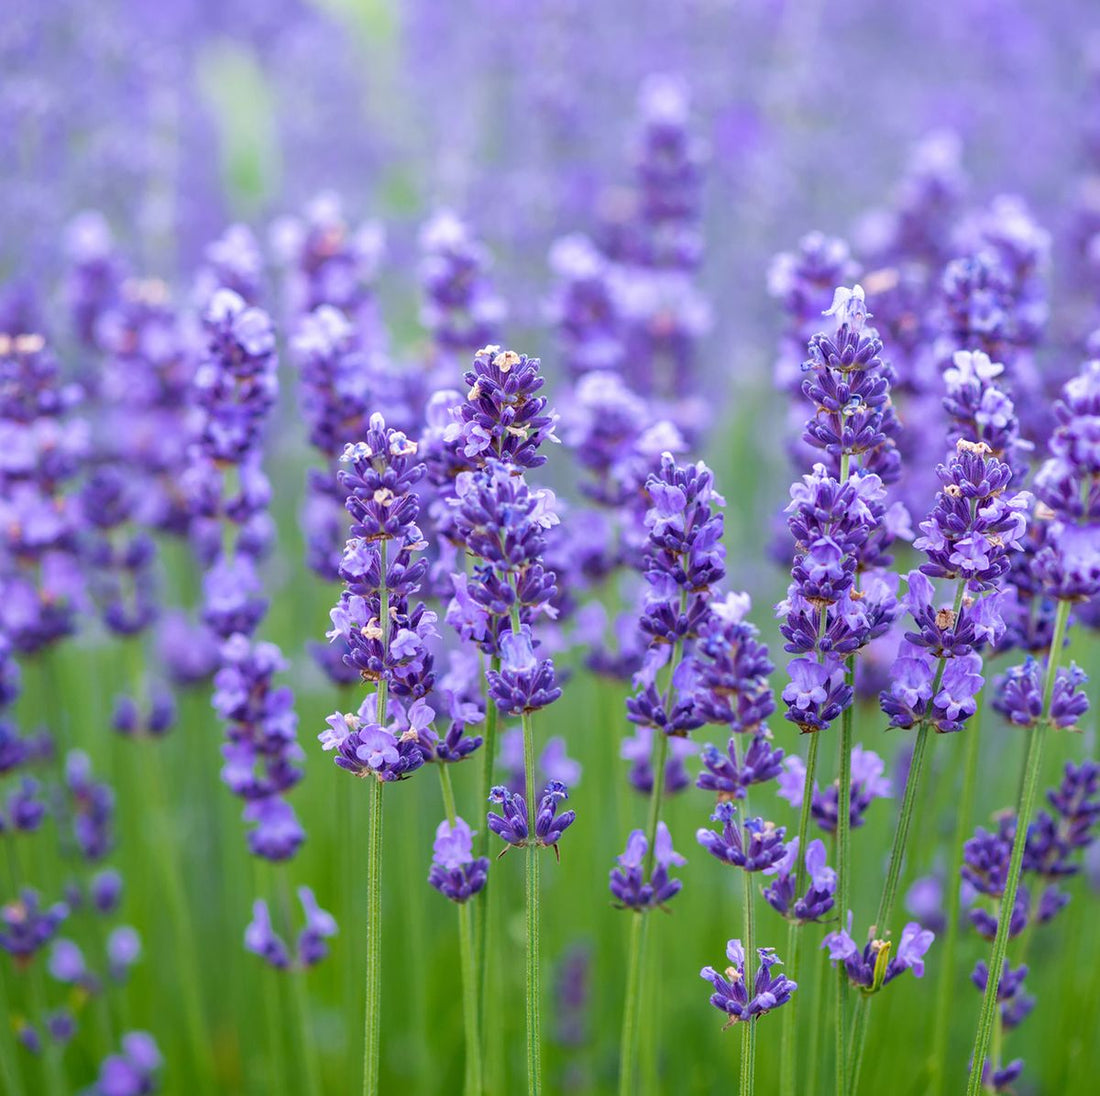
(534, 982)
(844, 881)
(821, 1001)
(166, 857)
(639, 924)
(448, 792)
(788, 1066)
(51, 1049)
(299, 992)
(947, 977)
(469, 1000)
(10, 1079)
(1026, 806)
(372, 1025)
(748, 1029)
(372, 1028)
(484, 920)
(470, 1012)
(901, 839)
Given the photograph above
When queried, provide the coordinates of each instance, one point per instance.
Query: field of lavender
(549, 546)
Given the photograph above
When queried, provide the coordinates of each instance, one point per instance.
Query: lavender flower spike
(455, 873)
(731, 994)
(628, 884)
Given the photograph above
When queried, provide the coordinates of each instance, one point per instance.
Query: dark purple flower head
(869, 783)
(730, 776)
(819, 898)
(1019, 695)
(91, 807)
(365, 748)
(26, 927)
(738, 1000)
(261, 939)
(461, 309)
(455, 872)
(133, 1072)
(513, 825)
(236, 382)
(503, 417)
(630, 886)
(753, 845)
(817, 693)
(878, 962)
(974, 525)
(276, 834)
(638, 750)
(319, 926)
(525, 683)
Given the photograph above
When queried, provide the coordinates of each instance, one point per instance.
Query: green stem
(788, 1065)
(299, 991)
(748, 1029)
(469, 1000)
(372, 1029)
(821, 999)
(466, 954)
(166, 857)
(844, 882)
(901, 839)
(1026, 806)
(639, 924)
(484, 920)
(947, 977)
(534, 981)
(51, 1050)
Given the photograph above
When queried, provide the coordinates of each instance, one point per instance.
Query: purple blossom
(630, 886)
(878, 963)
(753, 845)
(731, 992)
(455, 873)
(819, 898)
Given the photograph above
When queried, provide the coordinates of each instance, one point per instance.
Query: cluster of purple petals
(260, 937)
(869, 783)
(1056, 840)
(90, 807)
(753, 844)
(1067, 487)
(455, 872)
(43, 446)
(461, 310)
(641, 881)
(732, 994)
(327, 262)
(1019, 695)
(134, 1071)
(384, 508)
(26, 926)
(877, 962)
(513, 826)
(820, 895)
(638, 750)
(364, 747)
(262, 757)
(730, 776)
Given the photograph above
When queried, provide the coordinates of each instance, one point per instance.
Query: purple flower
(25, 927)
(731, 993)
(320, 925)
(878, 963)
(753, 845)
(819, 897)
(133, 1072)
(455, 873)
(730, 776)
(261, 939)
(817, 693)
(629, 884)
(1019, 695)
(638, 750)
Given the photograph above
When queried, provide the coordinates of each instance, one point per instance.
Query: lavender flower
(876, 964)
(512, 826)
(629, 885)
(869, 783)
(455, 873)
(133, 1072)
(1019, 695)
(731, 992)
(753, 845)
(819, 898)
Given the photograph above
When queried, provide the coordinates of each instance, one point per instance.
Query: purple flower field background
(549, 546)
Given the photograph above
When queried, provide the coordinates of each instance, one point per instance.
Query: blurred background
(524, 118)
